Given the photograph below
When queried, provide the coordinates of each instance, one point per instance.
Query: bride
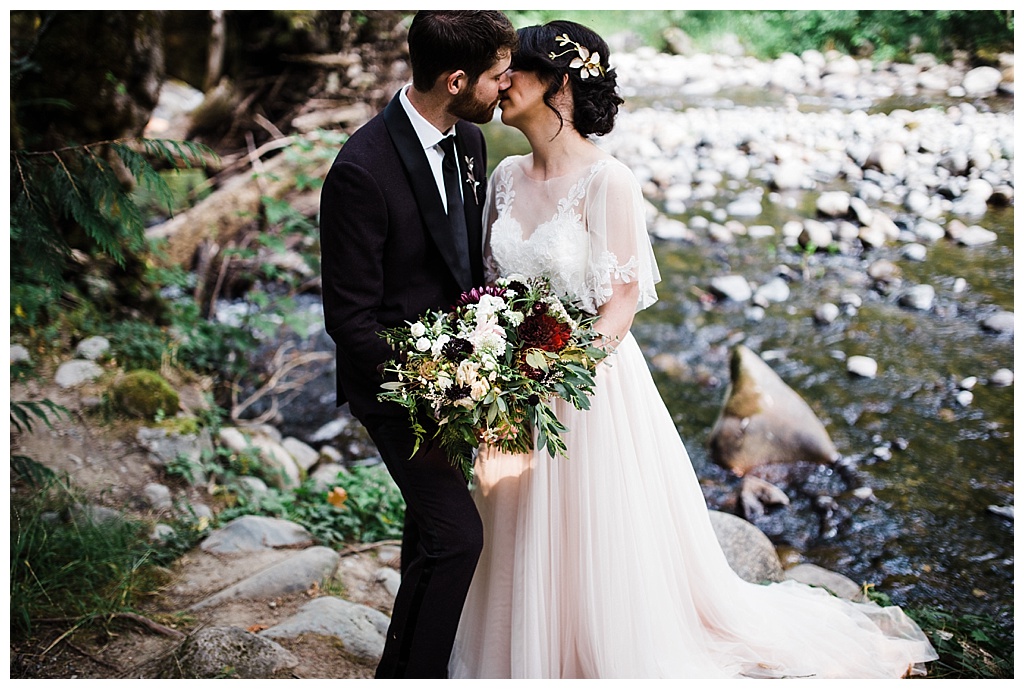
(605, 565)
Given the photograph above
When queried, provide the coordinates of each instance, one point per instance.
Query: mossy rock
(144, 394)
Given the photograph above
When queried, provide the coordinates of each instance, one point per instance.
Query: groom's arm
(353, 232)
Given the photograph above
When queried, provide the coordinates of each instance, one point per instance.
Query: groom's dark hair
(443, 41)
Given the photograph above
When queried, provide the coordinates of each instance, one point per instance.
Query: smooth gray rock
(268, 448)
(253, 532)
(914, 252)
(389, 578)
(981, 81)
(928, 231)
(977, 236)
(815, 233)
(158, 496)
(749, 552)
(826, 313)
(833, 582)
(162, 532)
(253, 485)
(77, 371)
(165, 446)
(20, 355)
(326, 474)
(1002, 378)
(219, 652)
(863, 366)
(999, 322)
(361, 629)
(304, 455)
(296, 573)
(775, 290)
(731, 287)
(92, 348)
(745, 207)
(920, 297)
(833, 204)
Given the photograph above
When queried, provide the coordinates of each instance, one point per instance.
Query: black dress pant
(441, 544)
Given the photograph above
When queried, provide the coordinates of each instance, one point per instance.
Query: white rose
(418, 329)
(439, 344)
(422, 344)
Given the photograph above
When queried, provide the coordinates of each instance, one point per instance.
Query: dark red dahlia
(541, 331)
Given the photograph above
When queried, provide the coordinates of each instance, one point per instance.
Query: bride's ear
(456, 81)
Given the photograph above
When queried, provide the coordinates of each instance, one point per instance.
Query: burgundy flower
(541, 331)
(473, 295)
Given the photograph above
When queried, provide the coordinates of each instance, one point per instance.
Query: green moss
(144, 394)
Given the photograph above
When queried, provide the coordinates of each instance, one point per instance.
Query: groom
(399, 235)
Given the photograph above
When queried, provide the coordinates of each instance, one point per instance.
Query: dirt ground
(104, 461)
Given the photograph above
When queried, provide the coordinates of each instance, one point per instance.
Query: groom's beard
(467, 106)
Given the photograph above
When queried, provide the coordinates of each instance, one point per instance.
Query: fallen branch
(138, 619)
(363, 547)
(277, 384)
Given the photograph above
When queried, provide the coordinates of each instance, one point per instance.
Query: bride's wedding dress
(605, 565)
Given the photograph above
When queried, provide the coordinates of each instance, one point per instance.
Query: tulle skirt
(605, 565)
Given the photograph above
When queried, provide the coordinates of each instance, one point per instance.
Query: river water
(925, 535)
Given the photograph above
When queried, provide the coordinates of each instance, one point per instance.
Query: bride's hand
(615, 316)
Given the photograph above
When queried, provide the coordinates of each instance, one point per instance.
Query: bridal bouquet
(486, 369)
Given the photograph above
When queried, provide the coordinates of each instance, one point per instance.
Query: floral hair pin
(588, 63)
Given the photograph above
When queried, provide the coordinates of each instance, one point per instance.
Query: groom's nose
(505, 81)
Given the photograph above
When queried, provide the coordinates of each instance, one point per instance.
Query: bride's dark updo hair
(544, 51)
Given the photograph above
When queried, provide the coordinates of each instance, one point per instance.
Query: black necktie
(456, 211)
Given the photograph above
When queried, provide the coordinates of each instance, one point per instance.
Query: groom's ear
(456, 81)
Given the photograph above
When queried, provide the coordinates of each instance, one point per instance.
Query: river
(926, 535)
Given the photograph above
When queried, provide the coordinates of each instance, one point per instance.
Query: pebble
(964, 398)
(1002, 378)
(826, 313)
(863, 366)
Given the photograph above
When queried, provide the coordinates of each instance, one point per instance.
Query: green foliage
(209, 346)
(137, 344)
(969, 646)
(65, 565)
(769, 33)
(25, 414)
(372, 510)
(74, 198)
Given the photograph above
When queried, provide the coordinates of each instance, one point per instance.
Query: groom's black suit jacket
(387, 252)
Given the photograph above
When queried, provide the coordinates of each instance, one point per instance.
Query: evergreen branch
(24, 182)
(66, 171)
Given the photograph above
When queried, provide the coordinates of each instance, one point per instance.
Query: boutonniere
(471, 178)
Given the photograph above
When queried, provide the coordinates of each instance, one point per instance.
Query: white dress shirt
(430, 138)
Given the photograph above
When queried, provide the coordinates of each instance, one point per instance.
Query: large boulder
(763, 421)
(222, 652)
(296, 573)
(749, 552)
(361, 630)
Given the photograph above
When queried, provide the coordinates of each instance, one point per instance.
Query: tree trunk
(84, 76)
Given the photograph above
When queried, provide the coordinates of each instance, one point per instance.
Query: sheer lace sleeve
(620, 248)
(490, 215)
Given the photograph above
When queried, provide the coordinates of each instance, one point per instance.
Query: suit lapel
(472, 169)
(428, 199)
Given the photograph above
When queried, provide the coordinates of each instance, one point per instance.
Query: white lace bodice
(584, 231)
